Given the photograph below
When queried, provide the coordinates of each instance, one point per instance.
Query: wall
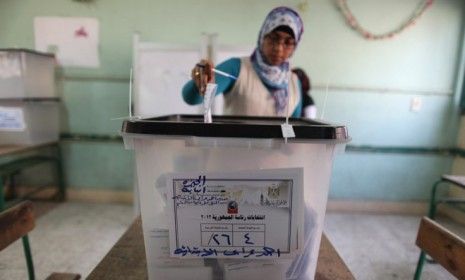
(394, 153)
(373, 98)
(458, 168)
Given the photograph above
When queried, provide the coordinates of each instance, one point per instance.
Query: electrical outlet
(415, 104)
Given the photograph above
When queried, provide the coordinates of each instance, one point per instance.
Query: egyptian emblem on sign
(233, 207)
(273, 192)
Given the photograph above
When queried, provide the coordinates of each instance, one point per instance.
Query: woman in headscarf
(265, 84)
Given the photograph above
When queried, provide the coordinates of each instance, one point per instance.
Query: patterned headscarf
(276, 78)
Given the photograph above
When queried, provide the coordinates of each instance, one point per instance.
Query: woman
(265, 86)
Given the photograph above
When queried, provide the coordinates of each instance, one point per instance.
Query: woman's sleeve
(231, 66)
(190, 93)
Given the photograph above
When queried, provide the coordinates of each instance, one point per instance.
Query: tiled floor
(382, 246)
(74, 237)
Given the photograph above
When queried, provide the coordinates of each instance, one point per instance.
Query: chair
(436, 200)
(454, 181)
(443, 246)
(16, 222)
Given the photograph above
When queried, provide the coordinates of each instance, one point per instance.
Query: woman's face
(277, 47)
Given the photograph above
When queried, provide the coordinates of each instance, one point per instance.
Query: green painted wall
(98, 165)
(391, 177)
(370, 88)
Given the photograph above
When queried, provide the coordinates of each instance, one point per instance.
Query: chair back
(443, 246)
(15, 223)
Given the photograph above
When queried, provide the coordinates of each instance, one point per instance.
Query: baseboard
(80, 194)
(102, 196)
(354, 206)
(378, 207)
(346, 206)
(334, 205)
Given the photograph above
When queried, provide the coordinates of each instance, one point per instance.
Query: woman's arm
(232, 66)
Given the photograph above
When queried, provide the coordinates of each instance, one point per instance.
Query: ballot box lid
(235, 127)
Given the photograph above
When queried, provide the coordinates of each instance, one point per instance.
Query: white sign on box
(246, 214)
(12, 119)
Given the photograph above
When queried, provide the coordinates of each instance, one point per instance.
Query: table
(20, 157)
(126, 260)
(26, 156)
(7, 150)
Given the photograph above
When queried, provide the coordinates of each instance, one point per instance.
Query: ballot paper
(180, 273)
(246, 214)
(208, 102)
(271, 271)
(274, 269)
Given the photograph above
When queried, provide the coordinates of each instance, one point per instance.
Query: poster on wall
(73, 40)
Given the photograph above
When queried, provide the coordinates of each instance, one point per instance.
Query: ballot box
(26, 74)
(29, 122)
(232, 199)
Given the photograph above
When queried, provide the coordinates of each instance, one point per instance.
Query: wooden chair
(436, 199)
(443, 246)
(16, 222)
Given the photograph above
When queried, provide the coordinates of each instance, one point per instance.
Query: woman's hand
(202, 74)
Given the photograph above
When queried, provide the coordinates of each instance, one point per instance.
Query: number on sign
(220, 240)
(247, 239)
